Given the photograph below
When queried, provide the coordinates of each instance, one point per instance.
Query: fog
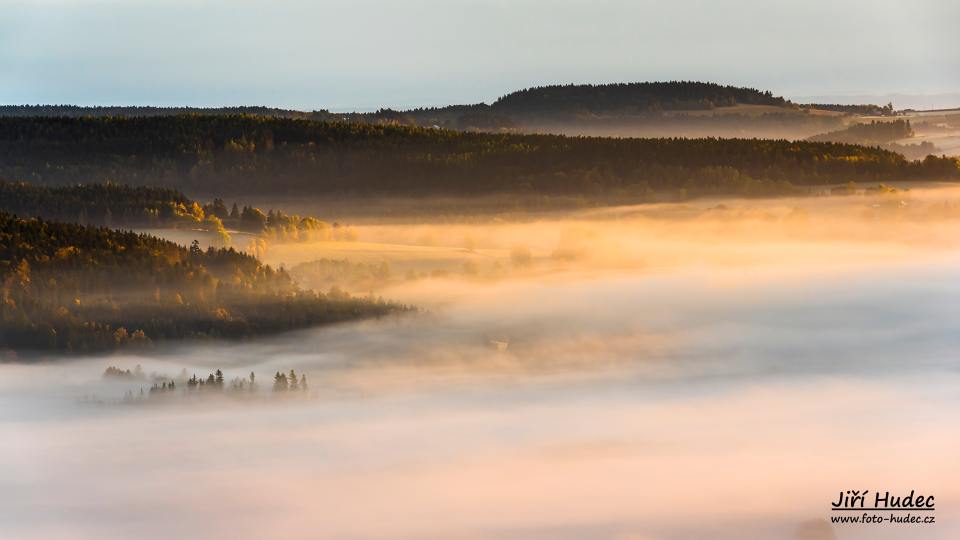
(716, 369)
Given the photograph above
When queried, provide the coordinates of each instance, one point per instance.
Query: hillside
(639, 109)
(123, 206)
(630, 98)
(240, 155)
(642, 109)
(893, 135)
(74, 288)
(868, 133)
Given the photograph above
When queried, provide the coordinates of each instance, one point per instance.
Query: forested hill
(209, 155)
(100, 204)
(76, 288)
(883, 134)
(123, 206)
(631, 98)
(870, 134)
(638, 109)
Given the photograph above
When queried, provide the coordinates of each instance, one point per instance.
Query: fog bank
(630, 373)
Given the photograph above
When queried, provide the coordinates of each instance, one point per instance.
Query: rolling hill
(639, 109)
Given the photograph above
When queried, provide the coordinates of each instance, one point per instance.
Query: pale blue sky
(361, 54)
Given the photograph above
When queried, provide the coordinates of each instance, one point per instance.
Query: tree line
(871, 133)
(127, 110)
(882, 134)
(215, 383)
(866, 109)
(122, 206)
(648, 109)
(632, 97)
(250, 155)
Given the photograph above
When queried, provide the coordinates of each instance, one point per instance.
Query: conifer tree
(280, 382)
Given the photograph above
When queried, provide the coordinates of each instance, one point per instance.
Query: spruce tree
(279, 382)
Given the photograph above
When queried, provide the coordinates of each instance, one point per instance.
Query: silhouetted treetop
(863, 109)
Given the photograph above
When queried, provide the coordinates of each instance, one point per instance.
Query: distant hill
(872, 133)
(625, 98)
(630, 98)
(639, 109)
(883, 134)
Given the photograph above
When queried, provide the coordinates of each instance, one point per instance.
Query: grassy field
(754, 110)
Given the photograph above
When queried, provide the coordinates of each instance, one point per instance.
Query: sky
(364, 54)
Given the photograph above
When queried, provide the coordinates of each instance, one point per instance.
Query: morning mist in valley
(615, 300)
